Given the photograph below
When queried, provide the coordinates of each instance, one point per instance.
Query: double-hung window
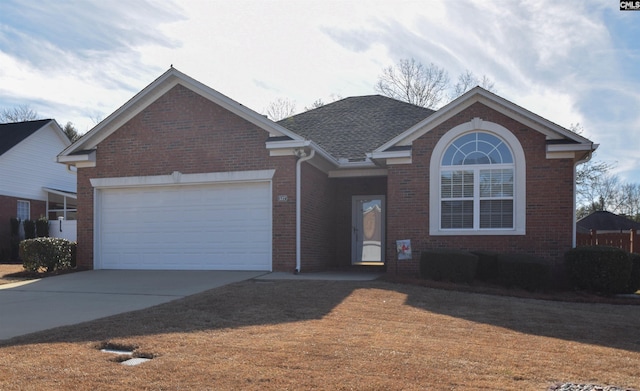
(24, 211)
(477, 182)
(477, 175)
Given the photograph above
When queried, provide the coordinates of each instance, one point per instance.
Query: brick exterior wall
(182, 131)
(317, 220)
(9, 209)
(549, 191)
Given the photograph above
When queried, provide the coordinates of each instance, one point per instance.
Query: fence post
(631, 235)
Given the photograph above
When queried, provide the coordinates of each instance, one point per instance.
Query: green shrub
(15, 226)
(600, 269)
(633, 285)
(487, 265)
(14, 240)
(29, 229)
(42, 227)
(523, 271)
(449, 265)
(48, 253)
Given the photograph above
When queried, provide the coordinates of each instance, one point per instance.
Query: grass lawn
(331, 335)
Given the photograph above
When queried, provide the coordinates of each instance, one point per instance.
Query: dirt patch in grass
(10, 273)
(337, 335)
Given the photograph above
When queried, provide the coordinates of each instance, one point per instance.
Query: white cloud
(566, 61)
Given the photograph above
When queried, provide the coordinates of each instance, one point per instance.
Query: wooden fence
(626, 240)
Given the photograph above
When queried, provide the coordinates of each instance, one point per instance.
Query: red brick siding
(9, 209)
(317, 220)
(549, 189)
(345, 189)
(182, 131)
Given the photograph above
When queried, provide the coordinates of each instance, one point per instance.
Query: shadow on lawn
(255, 303)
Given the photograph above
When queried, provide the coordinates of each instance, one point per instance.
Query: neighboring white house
(32, 183)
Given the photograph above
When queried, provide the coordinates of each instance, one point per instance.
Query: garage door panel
(221, 226)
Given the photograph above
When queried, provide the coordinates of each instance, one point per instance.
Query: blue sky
(568, 61)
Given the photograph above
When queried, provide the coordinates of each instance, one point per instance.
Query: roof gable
(555, 134)
(151, 93)
(606, 221)
(12, 134)
(352, 127)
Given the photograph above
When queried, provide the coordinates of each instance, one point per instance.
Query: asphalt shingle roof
(605, 221)
(13, 133)
(351, 127)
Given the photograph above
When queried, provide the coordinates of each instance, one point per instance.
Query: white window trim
(28, 203)
(520, 202)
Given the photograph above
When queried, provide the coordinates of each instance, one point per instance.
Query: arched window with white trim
(477, 183)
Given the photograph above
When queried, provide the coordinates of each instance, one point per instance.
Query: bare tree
(629, 195)
(412, 82)
(467, 80)
(319, 102)
(96, 118)
(280, 108)
(20, 113)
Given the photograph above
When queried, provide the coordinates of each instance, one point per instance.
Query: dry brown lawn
(330, 335)
(8, 269)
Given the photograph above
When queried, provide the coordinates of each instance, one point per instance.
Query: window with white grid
(24, 211)
(477, 184)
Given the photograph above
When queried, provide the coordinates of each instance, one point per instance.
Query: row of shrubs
(32, 228)
(49, 254)
(601, 269)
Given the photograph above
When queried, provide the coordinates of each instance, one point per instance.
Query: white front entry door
(367, 234)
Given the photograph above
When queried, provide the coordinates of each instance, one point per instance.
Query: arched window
(477, 182)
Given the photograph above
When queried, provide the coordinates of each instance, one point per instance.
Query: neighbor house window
(24, 211)
(477, 182)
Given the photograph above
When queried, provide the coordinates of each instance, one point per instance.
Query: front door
(367, 234)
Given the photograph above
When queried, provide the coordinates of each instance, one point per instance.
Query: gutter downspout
(585, 159)
(302, 157)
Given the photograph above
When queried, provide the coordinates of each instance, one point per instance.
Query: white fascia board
(478, 94)
(389, 154)
(67, 194)
(287, 144)
(416, 131)
(568, 151)
(178, 178)
(156, 89)
(79, 160)
(392, 157)
(289, 147)
(571, 147)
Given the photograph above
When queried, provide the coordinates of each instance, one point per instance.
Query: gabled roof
(12, 134)
(352, 127)
(82, 148)
(559, 139)
(605, 221)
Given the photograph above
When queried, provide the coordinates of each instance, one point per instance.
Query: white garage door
(188, 227)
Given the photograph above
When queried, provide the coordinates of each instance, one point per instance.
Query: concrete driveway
(79, 297)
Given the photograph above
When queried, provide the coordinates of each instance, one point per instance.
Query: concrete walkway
(30, 306)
